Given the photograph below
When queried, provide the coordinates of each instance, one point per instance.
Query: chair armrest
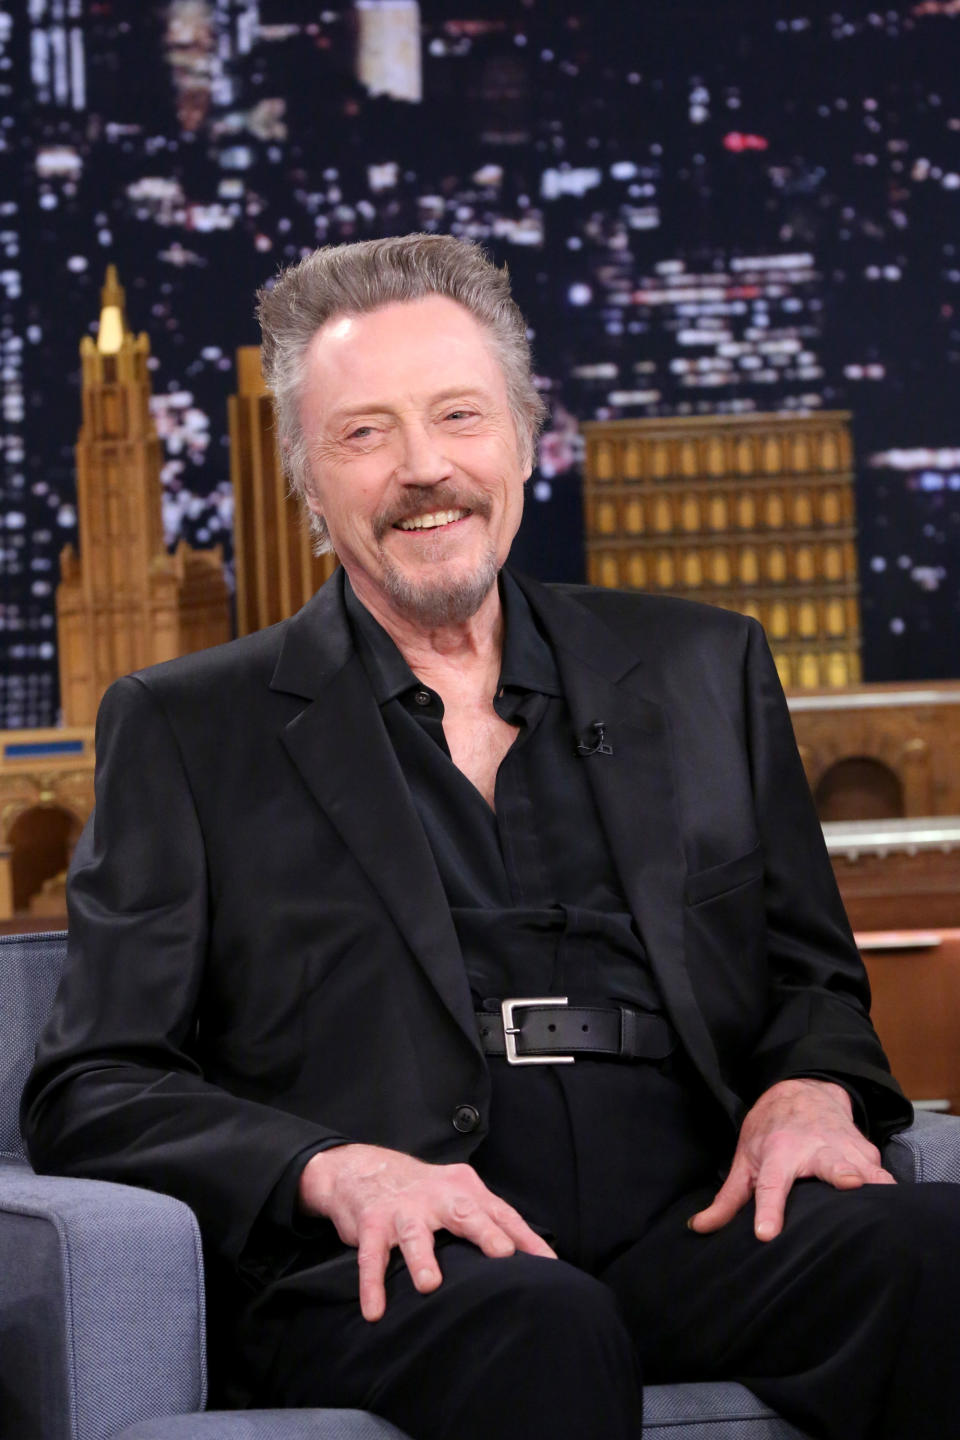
(101, 1306)
(929, 1150)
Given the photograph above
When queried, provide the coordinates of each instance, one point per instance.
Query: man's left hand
(796, 1130)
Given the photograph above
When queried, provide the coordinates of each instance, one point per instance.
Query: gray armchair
(102, 1303)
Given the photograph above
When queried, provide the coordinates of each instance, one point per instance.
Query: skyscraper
(124, 602)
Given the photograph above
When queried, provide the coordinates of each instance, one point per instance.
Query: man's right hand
(379, 1198)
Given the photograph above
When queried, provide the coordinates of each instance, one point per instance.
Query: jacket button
(466, 1118)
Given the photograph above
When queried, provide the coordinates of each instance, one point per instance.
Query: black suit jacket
(261, 953)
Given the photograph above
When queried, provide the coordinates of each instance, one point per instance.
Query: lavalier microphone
(594, 741)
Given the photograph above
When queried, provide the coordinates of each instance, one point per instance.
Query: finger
(728, 1201)
(770, 1197)
(466, 1217)
(881, 1177)
(849, 1173)
(415, 1239)
(373, 1252)
(520, 1233)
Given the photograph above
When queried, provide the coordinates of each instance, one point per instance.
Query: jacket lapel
(635, 793)
(340, 748)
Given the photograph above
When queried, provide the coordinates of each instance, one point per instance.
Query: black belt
(546, 1031)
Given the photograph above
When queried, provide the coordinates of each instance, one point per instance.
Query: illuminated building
(124, 602)
(277, 571)
(388, 48)
(738, 336)
(755, 514)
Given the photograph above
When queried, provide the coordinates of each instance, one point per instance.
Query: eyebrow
(380, 407)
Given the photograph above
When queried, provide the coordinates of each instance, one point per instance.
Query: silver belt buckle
(508, 1009)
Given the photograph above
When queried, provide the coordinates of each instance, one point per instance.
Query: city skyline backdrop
(705, 209)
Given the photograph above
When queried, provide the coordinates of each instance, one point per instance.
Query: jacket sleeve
(818, 1014)
(117, 1091)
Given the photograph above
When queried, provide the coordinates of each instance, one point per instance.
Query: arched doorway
(859, 788)
(42, 841)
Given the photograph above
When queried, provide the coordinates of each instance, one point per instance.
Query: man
(444, 945)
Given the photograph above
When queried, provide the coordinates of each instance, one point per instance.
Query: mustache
(420, 499)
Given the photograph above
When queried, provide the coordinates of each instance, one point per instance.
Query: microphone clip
(595, 734)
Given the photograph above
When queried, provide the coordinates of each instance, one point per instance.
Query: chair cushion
(266, 1425)
(713, 1410)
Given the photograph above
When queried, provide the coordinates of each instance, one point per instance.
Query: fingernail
(689, 1223)
(765, 1230)
(425, 1276)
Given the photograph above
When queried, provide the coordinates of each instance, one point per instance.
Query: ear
(312, 502)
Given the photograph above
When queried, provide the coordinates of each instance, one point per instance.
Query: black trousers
(845, 1323)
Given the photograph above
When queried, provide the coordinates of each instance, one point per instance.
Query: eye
(361, 432)
(459, 415)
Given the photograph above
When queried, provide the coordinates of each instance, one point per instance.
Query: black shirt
(533, 890)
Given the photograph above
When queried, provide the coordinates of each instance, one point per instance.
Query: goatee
(432, 603)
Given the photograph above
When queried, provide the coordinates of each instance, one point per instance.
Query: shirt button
(466, 1118)
(423, 697)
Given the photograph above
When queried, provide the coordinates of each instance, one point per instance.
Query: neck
(472, 646)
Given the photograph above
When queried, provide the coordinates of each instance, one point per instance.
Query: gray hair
(355, 279)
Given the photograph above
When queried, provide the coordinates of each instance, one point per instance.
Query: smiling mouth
(434, 520)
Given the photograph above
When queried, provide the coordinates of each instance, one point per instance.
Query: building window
(609, 571)
(605, 466)
(718, 512)
(809, 676)
(808, 619)
(772, 460)
(692, 569)
(660, 460)
(665, 569)
(830, 509)
(691, 513)
(836, 619)
(777, 564)
(637, 569)
(802, 510)
(803, 563)
(720, 567)
(779, 620)
(775, 516)
(749, 569)
(663, 515)
(632, 461)
(633, 517)
(607, 517)
(833, 562)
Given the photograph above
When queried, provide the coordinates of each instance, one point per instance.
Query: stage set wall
(731, 230)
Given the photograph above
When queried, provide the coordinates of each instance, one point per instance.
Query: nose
(421, 461)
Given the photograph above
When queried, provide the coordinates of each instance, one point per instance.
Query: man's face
(413, 456)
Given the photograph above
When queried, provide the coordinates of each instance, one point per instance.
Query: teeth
(431, 521)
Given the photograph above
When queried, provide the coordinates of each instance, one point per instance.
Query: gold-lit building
(276, 569)
(123, 601)
(755, 513)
